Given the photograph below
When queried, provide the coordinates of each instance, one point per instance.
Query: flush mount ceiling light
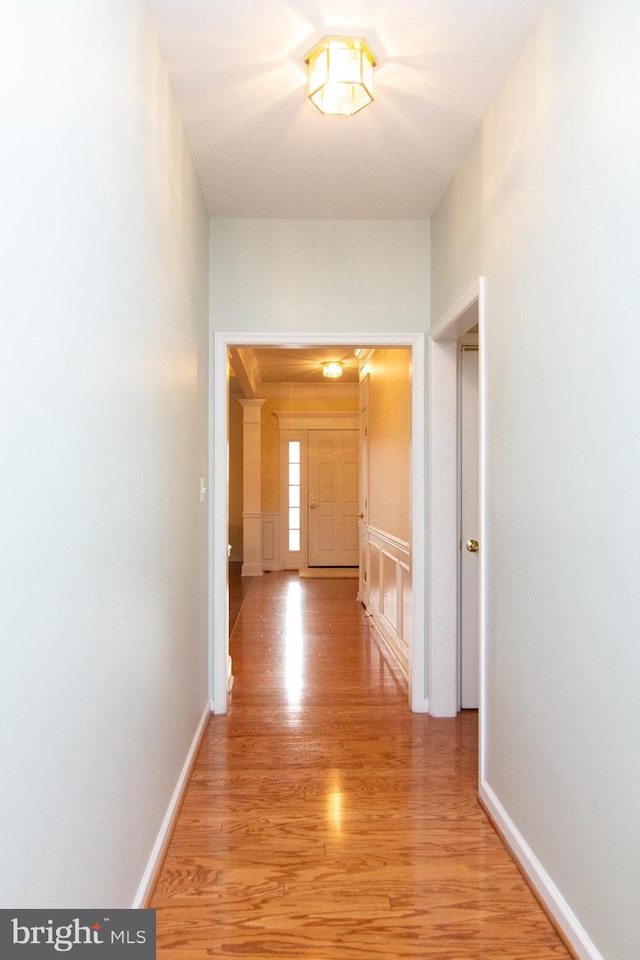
(333, 370)
(340, 75)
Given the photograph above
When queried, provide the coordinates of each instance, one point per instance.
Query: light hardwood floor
(324, 820)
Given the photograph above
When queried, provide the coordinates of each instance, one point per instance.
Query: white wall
(546, 206)
(320, 275)
(103, 385)
(390, 442)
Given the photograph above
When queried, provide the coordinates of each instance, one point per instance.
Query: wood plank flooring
(326, 821)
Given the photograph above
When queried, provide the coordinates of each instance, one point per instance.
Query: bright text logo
(28, 934)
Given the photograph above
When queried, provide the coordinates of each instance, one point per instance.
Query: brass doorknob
(472, 546)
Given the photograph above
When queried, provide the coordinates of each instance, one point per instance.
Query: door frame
(467, 345)
(218, 629)
(363, 530)
(443, 535)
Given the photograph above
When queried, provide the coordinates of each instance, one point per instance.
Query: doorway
(218, 607)
(445, 530)
(317, 510)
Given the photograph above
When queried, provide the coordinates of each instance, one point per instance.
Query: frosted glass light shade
(340, 75)
(332, 369)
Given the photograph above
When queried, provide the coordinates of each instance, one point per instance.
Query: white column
(251, 494)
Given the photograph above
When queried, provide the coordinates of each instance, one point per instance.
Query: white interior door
(333, 490)
(469, 528)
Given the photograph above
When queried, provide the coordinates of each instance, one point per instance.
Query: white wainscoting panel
(389, 600)
(271, 541)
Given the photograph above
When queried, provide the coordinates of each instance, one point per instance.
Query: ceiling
(262, 150)
(255, 369)
(304, 365)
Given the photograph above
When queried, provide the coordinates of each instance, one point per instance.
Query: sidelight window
(294, 495)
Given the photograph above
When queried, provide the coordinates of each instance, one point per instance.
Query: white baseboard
(150, 876)
(554, 903)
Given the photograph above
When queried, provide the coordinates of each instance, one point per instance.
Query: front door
(333, 489)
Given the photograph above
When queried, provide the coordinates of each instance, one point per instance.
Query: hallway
(324, 820)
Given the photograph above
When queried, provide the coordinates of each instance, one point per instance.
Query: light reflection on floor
(334, 801)
(294, 646)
